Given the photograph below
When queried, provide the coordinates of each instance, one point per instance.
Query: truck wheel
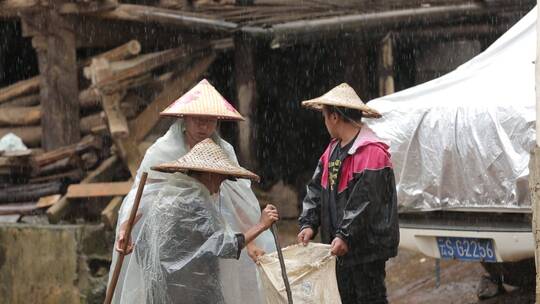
(521, 274)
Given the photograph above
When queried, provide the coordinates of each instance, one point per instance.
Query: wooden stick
(118, 266)
(273, 228)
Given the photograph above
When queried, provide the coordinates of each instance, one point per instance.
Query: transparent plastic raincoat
(238, 206)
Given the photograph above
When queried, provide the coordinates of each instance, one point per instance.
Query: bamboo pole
(131, 220)
(535, 164)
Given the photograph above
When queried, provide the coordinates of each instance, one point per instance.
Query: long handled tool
(118, 266)
(273, 228)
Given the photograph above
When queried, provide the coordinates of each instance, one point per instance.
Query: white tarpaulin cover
(311, 271)
(464, 140)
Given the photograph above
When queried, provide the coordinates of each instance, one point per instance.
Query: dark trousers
(362, 283)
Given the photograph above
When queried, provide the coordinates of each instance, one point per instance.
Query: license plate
(466, 249)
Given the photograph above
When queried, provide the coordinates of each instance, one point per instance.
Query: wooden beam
(29, 192)
(20, 116)
(98, 189)
(246, 90)
(143, 124)
(87, 143)
(59, 82)
(148, 14)
(139, 66)
(20, 88)
(22, 101)
(386, 65)
(102, 173)
(290, 33)
(109, 215)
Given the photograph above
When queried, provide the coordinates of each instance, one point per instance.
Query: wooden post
(534, 166)
(385, 64)
(246, 90)
(55, 47)
(355, 59)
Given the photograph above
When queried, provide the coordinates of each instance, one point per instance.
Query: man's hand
(268, 216)
(305, 236)
(254, 252)
(339, 247)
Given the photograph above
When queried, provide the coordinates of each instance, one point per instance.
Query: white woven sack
(312, 275)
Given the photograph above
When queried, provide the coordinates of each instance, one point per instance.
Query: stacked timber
(116, 114)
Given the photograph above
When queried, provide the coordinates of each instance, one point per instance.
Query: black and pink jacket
(366, 204)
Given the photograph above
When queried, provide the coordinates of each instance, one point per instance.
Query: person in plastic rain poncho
(352, 198)
(185, 235)
(199, 110)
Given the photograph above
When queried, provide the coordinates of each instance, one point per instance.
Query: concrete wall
(53, 263)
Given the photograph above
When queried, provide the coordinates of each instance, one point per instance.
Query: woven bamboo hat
(206, 156)
(202, 100)
(342, 96)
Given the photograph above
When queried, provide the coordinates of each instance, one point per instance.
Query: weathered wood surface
(146, 14)
(21, 101)
(102, 173)
(87, 143)
(18, 208)
(31, 136)
(98, 189)
(246, 90)
(29, 192)
(20, 116)
(124, 51)
(20, 88)
(47, 201)
(109, 215)
(386, 65)
(59, 90)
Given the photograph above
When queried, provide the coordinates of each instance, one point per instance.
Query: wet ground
(411, 278)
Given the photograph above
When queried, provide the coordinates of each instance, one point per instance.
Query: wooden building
(106, 68)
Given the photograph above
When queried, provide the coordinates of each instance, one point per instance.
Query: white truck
(461, 146)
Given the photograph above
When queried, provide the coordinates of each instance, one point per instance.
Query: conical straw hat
(342, 96)
(202, 100)
(206, 156)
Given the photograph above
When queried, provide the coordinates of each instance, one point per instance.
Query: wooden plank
(20, 88)
(109, 215)
(98, 189)
(102, 173)
(59, 82)
(246, 90)
(126, 50)
(20, 116)
(47, 201)
(141, 126)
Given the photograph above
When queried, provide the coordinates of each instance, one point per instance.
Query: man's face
(200, 128)
(330, 121)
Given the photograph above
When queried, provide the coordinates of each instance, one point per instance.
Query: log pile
(119, 105)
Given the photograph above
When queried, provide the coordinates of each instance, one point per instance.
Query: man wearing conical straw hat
(185, 234)
(352, 198)
(198, 112)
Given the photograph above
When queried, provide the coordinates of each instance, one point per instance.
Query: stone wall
(54, 263)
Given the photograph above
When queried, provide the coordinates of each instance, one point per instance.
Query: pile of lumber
(123, 94)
